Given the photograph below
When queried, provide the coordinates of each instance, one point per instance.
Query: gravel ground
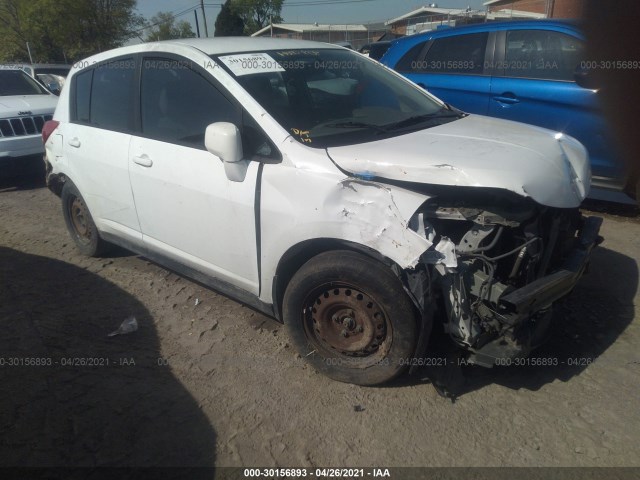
(206, 381)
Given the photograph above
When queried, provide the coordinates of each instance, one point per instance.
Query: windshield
(16, 82)
(334, 97)
(61, 71)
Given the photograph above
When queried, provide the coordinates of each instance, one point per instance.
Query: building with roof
(356, 35)
(431, 17)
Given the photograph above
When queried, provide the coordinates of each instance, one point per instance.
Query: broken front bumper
(527, 309)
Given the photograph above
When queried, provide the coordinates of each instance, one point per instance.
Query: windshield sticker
(303, 135)
(290, 53)
(251, 63)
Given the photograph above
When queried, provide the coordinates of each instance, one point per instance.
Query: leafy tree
(165, 27)
(64, 30)
(258, 13)
(229, 23)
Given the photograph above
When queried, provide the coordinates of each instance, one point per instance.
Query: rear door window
(112, 95)
(459, 54)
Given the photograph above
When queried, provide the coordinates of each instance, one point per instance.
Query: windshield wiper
(369, 126)
(416, 119)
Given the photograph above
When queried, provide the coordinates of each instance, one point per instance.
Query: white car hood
(11, 106)
(476, 151)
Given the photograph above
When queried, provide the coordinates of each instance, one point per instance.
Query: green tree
(164, 27)
(229, 23)
(64, 30)
(257, 14)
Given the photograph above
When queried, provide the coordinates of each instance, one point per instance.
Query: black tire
(350, 318)
(79, 222)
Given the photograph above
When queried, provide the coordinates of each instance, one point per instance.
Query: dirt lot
(215, 383)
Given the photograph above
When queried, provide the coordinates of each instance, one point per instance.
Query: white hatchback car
(25, 106)
(327, 191)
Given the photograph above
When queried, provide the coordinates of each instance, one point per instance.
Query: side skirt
(216, 284)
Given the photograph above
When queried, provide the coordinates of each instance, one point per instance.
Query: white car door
(96, 145)
(188, 210)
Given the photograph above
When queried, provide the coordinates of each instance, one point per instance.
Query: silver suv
(25, 106)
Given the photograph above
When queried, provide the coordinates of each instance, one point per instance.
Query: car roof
(208, 46)
(34, 65)
(221, 45)
(491, 26)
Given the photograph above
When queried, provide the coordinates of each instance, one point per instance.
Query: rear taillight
(48, 128)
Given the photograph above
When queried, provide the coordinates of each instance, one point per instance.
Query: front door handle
(422, 85)
(74, 142)
(507, 98)
(143, 160)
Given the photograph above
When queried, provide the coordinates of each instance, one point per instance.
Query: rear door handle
(74, 142)
(507, 98)
(143, 160)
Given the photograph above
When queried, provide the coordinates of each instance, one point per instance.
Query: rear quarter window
(408, 62)
(82, 96)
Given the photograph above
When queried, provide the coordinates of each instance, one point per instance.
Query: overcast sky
(304, 11)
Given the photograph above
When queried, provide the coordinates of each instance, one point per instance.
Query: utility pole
(29, 50)
(197, 26)
(204, 19)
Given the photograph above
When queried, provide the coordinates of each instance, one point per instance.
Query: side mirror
(585, 78)
(223, 140)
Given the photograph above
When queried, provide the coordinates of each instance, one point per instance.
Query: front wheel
(350, 317)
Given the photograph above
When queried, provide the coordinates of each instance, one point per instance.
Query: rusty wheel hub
(348, 321)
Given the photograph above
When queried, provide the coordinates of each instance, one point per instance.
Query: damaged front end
(500, 261)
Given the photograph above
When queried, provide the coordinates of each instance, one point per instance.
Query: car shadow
(71, 395)
(628, 210)
(589, 321)
(23, 182)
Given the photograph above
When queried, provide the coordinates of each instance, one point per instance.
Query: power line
(305, 4)
(297, 3)
(173, 16)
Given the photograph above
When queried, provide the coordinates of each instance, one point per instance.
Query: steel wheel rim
(79, 216)
(344, 321)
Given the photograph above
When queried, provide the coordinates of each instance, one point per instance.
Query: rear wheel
(350, 317)
(79, 222)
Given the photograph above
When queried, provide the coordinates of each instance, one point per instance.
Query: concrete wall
(568, 9)
(535, 6)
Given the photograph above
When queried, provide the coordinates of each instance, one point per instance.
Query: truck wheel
(350, 318)
(79, 222)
